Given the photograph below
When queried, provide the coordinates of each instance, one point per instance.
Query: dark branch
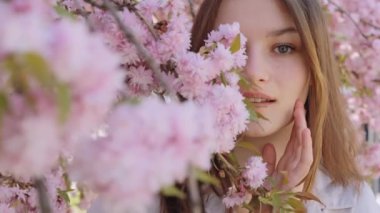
(143, 52)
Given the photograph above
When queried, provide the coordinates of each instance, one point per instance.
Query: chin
(266, 128)
(258, 129)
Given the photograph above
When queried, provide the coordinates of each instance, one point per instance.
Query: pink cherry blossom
(33, 136)
(232, 115)
(151, 145)
(236, 198)
(369, 161)
(255, 172)
(25, 199)
(140, 80)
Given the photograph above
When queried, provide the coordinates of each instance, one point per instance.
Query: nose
(257, 67)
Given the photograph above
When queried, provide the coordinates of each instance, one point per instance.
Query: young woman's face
(275, 60)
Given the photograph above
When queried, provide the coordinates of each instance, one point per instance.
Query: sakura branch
(152, 63)
(42, 196)
(357, 25)
(341, 10)
(194, 192)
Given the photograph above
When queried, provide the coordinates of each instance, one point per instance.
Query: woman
(297, 88)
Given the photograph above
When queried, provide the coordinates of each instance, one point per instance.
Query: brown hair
(334, 138)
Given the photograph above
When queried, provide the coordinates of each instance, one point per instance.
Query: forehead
(261, 16)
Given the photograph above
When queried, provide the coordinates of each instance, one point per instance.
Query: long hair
(334, 139)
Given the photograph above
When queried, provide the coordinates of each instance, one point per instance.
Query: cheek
(292, 85)
(292, 78)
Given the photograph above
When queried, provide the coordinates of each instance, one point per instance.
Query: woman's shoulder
(337, 198)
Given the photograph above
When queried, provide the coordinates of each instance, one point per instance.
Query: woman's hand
(297, 158)
(298, 155)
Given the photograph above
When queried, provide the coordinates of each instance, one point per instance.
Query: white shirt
(337, 199)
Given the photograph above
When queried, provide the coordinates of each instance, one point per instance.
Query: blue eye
(284, 49)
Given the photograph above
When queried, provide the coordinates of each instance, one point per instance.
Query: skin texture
(277, 68)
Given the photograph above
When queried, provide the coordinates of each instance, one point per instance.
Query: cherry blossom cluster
(64, 62)
(52, 94)
(369, 161)
(355, 29)
(53, 91)
(61, 71)
(253, 176)
(142, 143)
(163, 29)
(19, 194)
(146, 147)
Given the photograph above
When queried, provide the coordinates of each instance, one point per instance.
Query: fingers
(296, 118)
(293, 149)
(269, 156)
(302, 168)
(299, 115)
(307, 152)
(300, 125)
(298, 155)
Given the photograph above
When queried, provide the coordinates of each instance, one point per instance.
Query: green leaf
(205, 50)
(249, 146)
(243, 82)
(67, 180)
(172, 191)
(39, 69)
(223, 79)
(64, 195)
(63, 96)
(247, 206)
(235, 45)
(18, 77)
(276, 200)
(296, 204)
(61, 11)
(232, 158)
(206, 178)
(9, 63)
(261, 116)
(307, 196)
(4, 104)
(285, 177)
(252, 113)
(265, 200)
(342, 58)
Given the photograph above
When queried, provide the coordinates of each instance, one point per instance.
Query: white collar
(334, 196)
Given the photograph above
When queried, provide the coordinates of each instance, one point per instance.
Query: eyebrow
(282, 31)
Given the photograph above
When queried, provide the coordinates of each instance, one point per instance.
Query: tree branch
(228, 164)
(43, 198)
(143, 52)
(150, 28)
(194, 192)
(344, 12)
(370, 24)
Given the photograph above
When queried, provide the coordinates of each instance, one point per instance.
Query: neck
(279, 140)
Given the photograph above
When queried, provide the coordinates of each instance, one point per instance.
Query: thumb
(269, 157)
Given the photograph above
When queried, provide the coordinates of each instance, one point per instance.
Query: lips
(259, 99)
